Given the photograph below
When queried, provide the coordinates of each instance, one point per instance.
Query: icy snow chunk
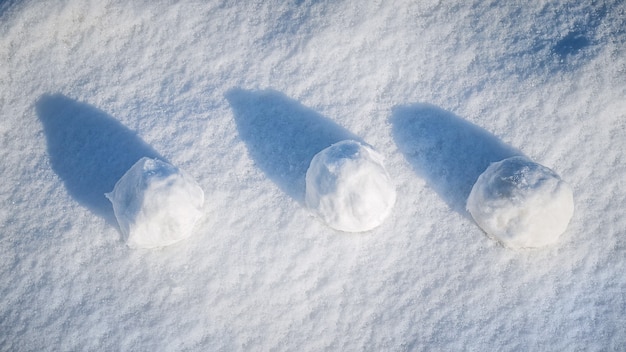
(521, 203)
(349, 188)
(156, 204)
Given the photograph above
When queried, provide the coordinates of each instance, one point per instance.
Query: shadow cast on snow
(447, 151)
(282, 136)
(89, 150)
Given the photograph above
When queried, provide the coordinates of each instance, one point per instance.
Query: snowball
(521, 203)
(349, 188)
(156, 204)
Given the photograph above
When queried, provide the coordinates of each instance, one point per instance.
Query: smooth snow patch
(156, 204)
(348, 187)
(521, 203)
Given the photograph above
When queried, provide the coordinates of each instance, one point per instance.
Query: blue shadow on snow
(584, 32)
(571, 44)
(447, 151)
(89, 150)
(282, 136)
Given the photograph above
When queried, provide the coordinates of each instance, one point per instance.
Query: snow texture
(242, 95)
(521, 203)
(348, 186)
(156, 204)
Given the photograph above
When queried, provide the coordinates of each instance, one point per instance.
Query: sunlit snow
(242, 95)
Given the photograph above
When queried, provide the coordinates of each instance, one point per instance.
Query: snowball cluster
(156, 204)
(348, 187)
(521, 203)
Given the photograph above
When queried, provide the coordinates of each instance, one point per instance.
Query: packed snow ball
(521, 203)
(156, 204)
(349, 188)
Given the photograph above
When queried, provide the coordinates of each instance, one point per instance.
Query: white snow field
(242, 95)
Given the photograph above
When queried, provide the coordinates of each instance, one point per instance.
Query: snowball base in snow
(521, 203)
(156, 204)
(349, 188)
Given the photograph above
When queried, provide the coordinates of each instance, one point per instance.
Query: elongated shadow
(282, 135)
(89, 150)
(447, 151)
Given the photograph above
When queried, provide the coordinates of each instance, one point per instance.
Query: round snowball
(156, 204)
(349, 188)
(521, 203)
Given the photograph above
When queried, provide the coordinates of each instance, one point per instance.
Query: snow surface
(156, 204)
(521, 203)
(349, 188)
(230, 91)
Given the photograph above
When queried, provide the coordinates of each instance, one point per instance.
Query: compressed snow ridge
(156, 204)
(521, 203)
(348, 186)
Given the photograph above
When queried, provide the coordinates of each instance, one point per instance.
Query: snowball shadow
(89, 150)
(447, 151)
(282, 136)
